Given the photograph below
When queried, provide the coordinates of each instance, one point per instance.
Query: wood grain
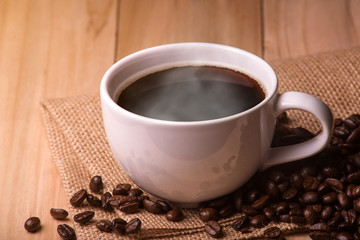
(61, 48)
(294, 28)
(48, 49)
(144, 23)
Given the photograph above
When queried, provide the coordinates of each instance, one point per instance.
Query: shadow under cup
(189, 162)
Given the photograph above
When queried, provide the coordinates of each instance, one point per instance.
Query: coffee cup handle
(313, 105)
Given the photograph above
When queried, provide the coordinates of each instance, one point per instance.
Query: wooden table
(61, 48)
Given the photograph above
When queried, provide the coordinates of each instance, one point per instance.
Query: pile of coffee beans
(321, 193)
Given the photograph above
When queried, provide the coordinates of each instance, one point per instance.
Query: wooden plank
(144, 23)
(48, 49)
(294, 28)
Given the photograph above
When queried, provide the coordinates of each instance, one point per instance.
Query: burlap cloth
(80, 150)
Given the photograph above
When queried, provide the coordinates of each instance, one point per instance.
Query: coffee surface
(191, 93)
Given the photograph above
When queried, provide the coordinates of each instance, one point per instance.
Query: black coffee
(191, 93)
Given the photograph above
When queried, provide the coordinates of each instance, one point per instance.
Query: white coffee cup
(190, 162)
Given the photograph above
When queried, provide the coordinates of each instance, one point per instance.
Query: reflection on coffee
(191, 93)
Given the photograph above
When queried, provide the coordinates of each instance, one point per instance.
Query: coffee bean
(94, 201)
(129, 207)
(250, 211)
(351, 122)
(105, 225)
(282, 207)
(165, 207)
(329, 198)
(133, 226)
(238, 200)
(323, 227)
(219, 202)
(317, 235)
(349, 216)
(283, 186)
(119, 191)
(311, 216)
(335, 184)
(310, 183)
(96, 184)
(277, 176)
(308, 171)
(272, 190)
(324, 188)
(330, 171)
(261, 202)
(355, 192)
(84, 217)
(135, 192)
(296, 180)
(356, 204)
(272, 232)
(270, 214)
(174, 215)
(105, 202)
(240, 223)
(310, 197)
(152, 207)
(300, 220)
(354, 136)
(226, 211)
(58, 213)
(213, 228)
(290, 194)
(32, 224)
(252, 195)
(119, 225)
(344, 200)
(344, 236)
(207, 214)
(125, 186)
(284, 217)
(335, 220)
(353, 178)
(341, 132)
(66, 232)
(259, 221)
(326, 213)
(78, 198)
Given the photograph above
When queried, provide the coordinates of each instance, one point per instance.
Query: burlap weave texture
(80, 150)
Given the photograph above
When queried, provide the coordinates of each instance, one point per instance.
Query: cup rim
(107, 99)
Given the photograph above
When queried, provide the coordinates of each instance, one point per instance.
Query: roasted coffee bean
(213, 228)
(105, 225)
(250, 211)
(84, 217)
(335, 184)
(261, 202)
(356, 204)
(93, 200)
(270, 214)
(282, 207)
(353, 178)
(326, 213)
(240, 223)
(329, 198)
(130, 207)
(96, 184)
(237, 200)
(349, 216)
(272, 232)
(252, 195)
(152, 207)
(283, 186)
(119, 191)
(174, 215)
(341, 132)
(310, 183)
(335, 220)
(290, 194)
(310, 215)
(355, 192)
(296, 180)
(226, 211)
(308, 171)
(351, 122)
(119, 225)
(272, 190)
(165, 207)
(58, 213)
(259, 221)
(317, 235)
(105, 202)
(284, 218)
(32, 224)
(133, 226)
(354, 136)
(330, 171)
(78, 198)
(66, 232)
(310, 197)
(344, 236)
(322, 227)
(277, 176)
(207, 214)
(317, 207)
(135, 192)
(324, 188)
(344, 200)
